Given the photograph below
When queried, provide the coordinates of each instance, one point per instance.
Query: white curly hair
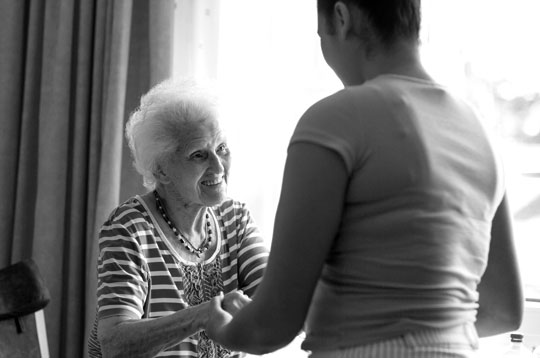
(153, 130)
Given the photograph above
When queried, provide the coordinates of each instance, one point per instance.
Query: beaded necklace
(187, 244)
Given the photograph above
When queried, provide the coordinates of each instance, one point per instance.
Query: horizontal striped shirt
(139, 275)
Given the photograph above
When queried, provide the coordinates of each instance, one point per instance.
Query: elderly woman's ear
(161, 176)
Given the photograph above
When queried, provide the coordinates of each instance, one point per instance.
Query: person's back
(423, 188)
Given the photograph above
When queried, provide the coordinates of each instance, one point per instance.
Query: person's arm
(501, 297)
(125, 336)
(307, 221)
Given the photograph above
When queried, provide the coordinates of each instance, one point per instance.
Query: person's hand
(234, 301)
(218, 319)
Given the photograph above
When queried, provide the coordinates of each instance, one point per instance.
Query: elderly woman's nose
(216, 163)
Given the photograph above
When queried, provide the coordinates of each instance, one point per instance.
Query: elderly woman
(164, 254)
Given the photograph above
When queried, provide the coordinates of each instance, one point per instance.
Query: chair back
(22, 294)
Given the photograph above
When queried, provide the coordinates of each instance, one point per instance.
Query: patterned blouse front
(141, 276)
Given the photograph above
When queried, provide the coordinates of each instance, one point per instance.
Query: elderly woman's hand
(233, 301)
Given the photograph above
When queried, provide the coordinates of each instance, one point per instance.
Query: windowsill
(530, 328)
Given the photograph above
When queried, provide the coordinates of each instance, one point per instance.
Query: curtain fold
(66, 69)
(13, 17)
(108, 113)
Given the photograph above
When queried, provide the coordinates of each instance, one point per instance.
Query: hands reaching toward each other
(233, 301)
(222, 308)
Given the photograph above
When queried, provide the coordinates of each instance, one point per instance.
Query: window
(489, 57)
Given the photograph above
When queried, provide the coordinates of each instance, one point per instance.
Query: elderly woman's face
(199, 170)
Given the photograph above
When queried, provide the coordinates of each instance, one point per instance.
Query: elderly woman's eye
(223, 149)
(197, 155)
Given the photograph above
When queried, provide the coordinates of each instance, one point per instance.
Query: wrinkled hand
(234, 301)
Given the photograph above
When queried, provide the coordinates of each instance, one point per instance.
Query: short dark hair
(391, 19)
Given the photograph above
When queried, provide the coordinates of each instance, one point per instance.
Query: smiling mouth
(213, 182)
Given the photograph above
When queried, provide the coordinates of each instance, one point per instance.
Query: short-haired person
(392, 236)
(165, 254)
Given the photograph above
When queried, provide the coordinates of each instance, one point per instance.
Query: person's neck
(401, 59)
(188, 219)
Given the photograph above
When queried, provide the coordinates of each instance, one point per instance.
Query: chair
(23, 295)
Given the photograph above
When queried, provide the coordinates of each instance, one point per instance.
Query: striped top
(141, 276)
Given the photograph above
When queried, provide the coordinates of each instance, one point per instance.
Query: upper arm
(252, 254)
(307, 221)
(122, 277)
(500, 288)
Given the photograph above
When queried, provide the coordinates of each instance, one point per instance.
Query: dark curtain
(71, 71)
